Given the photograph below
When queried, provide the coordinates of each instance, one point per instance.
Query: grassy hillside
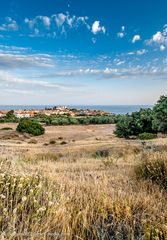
(82, 196)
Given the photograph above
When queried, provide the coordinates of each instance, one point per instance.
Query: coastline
(116, 109)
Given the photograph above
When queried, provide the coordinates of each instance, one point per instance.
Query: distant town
(62, 110)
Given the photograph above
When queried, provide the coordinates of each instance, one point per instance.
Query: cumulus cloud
(53, 25)
(159, 39)
(60, 22)
(136, 38)
(59, 19)
(46, 21)
(9, 25)
(96, 28)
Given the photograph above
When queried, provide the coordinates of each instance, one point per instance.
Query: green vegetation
(160, 115)
(6, 129)
(154, 170)
(66, 120)
(31, 127)
(147, 136)
(135, 123)
(144, 121)
(10, 117)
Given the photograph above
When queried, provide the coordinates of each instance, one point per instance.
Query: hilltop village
(73, 112)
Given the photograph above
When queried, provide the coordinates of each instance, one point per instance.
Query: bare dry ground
(73, 137)
(65, 139)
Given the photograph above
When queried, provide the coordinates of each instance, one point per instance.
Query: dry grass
(75, 194)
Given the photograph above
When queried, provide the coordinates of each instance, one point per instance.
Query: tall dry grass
(81, 198)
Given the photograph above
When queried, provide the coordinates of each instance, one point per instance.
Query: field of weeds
(105, 189)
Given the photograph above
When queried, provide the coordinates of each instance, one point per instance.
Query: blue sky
(83, 52)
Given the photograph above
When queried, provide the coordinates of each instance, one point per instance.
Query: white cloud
(123, 28)
(120, 63)
(60, 22)
(14, 49)
(21, 61)
(9, 25)
(136, 38)
(59, 19)
(8, 78)
(162, 47)
(138, 52)
(107, 72)
(46, 21)
(96, 28)
(159, 39)
(121, 34)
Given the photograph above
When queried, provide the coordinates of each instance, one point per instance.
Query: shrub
(154, 170)
(52, 141)
(63, 143)
(6, 128)
(31, 127)
(147, 136)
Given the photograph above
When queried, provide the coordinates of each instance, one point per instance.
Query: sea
(116, 109)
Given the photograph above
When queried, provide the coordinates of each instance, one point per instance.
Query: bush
(147, 136)
(31, 127)
(63, 143)
(52, 141)
(6, 129)
(154, 170)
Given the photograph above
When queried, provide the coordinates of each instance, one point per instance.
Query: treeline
(62, 120)
(144, 121)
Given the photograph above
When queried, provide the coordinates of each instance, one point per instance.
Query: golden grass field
(57, 186)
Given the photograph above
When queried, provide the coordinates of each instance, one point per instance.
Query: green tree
(123, 126)
(135, 123)
(160, 115)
